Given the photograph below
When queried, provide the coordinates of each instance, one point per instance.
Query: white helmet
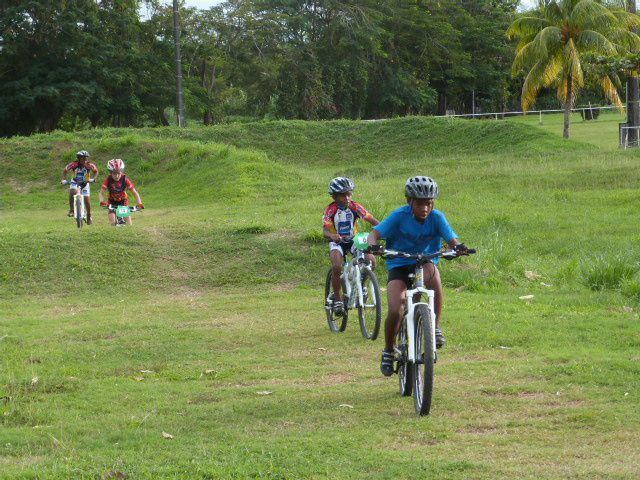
(115, 165)
(421, 187)
(83, 153)
(341, 185)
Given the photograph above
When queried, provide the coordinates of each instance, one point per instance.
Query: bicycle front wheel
(425, 360)
(405, 370)
(79, 210)
(336, 324)
(370, 312)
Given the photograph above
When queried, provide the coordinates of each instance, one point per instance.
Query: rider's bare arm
(373, 237)
(329, 235)
(137, 195)
(63, 178)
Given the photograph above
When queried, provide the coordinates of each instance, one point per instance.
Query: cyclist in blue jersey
(340, 224)
(414, 228)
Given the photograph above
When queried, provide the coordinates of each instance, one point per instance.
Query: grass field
(204, 322)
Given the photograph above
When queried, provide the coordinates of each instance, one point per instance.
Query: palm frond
(526, 26)
(591, 13)
(611, 92)
(572, 72)
(553, 70)
(553, 13)
(532, 85)
(626, 20)
(549, 40)
(625, 40)
(524, 56)
(595, 41)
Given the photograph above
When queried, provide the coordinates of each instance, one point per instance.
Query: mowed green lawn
(194, 344)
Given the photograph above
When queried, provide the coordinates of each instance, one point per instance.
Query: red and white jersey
(117, 189)
(80, 173)
(344, 221)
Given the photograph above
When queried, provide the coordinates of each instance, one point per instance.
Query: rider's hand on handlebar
(460, 249)
(335, 237)
(104, 204)
(64, 182)
(375, 249)
(140, 206)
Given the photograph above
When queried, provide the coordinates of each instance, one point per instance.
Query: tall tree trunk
(633, 94)
(442, 103)
(567, 107)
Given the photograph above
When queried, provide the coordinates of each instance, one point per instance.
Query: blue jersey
(404, 233)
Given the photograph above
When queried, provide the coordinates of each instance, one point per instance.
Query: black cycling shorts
(402, 273)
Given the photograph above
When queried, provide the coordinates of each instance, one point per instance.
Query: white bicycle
(415, 345)
(79, 212)
(360, 290)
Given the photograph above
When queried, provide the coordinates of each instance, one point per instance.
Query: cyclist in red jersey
(118, 184)
(81, 178)
(340, 224)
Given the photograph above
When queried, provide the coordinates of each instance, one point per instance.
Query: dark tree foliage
(97, 62)
(93, 63)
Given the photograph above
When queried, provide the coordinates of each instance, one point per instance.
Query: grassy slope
(558, 402)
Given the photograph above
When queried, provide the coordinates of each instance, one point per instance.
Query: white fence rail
(500, 115)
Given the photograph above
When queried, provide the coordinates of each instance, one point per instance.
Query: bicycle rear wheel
(370, 312)
(405, 370)
(79, 211)
(336, 324)
(425, 360)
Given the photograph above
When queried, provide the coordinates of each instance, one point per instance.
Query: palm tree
(553, 39)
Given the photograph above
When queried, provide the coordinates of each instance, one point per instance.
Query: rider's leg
(336, 270)
(371, 259)
(112, 218)
(128, 220)
(87, 207)
(72, 192)
(396, 292)
(432, 282)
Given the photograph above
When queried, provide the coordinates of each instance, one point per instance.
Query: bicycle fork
(410, 321)
(351, 292)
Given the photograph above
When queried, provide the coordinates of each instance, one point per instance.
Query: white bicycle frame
(409, 316)
(78, 203)
(352, 277)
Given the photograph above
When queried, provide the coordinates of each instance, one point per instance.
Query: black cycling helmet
(421, 187)
(341, 185)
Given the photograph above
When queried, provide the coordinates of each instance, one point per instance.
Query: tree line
(74, 64)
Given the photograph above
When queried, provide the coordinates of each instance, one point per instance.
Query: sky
(204, 4)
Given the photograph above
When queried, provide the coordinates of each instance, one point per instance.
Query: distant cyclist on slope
(81, 179)
(117, 184)
(339, 226)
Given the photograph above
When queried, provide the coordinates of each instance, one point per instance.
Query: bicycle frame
(352, 279)
(409, 316)
(78, 202)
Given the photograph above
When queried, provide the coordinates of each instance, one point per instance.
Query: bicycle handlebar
(112, 208)
(80, 184)
(421, 258)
